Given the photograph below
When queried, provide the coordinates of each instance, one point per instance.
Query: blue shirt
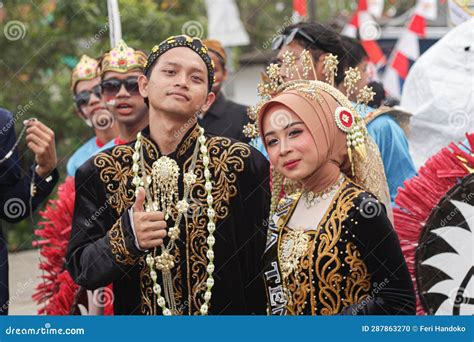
(83, 153)
(393, 146)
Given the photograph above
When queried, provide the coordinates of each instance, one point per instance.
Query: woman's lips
(291, 164)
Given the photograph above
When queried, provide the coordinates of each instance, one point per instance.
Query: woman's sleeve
(392, 288)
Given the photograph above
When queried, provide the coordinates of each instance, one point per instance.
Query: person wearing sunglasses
(320, 40)
(85, 85)
(119, 70)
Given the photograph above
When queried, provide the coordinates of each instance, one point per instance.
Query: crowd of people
(187, 203)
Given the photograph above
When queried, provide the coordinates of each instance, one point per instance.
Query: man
(119, 70)
(90, 106)
(320, 41)
(145, 241)
(382, 126)
(225, 117)
(19, 195)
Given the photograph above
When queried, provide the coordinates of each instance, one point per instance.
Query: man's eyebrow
(193, 69)
(291, 124)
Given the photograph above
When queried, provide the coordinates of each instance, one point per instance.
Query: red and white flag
(299, 10)
(363, 22)
(407, 47)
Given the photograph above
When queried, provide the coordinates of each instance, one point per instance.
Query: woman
(331, 247)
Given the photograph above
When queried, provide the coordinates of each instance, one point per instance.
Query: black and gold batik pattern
(342, 267)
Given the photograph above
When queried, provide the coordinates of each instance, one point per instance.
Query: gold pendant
(165, 173)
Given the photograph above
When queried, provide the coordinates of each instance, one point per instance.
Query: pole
(115, 26)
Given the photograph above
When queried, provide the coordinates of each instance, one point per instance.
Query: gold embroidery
(298, 282)
(293, 246)
(115, 172)
(191, 138)
(338, 281)
(119, 250)
(226, 160)
(358, 282)
(328, 264)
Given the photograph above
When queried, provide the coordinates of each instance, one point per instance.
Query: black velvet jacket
(226, 118)
(102, 249)
(352, 264)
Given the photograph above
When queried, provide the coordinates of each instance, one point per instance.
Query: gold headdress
(123, 58)
(366, 164)
(86, 69)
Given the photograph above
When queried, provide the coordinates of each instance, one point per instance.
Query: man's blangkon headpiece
(194, 43)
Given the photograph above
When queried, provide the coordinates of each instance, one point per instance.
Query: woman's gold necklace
(311, 198)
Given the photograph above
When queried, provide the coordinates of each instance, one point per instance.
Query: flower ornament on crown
(123, 58)
(86, 69)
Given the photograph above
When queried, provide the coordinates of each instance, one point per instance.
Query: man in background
(225, 117)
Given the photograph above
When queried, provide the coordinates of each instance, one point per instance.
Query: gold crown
(123, 58)
(86, 69)
(272, 84)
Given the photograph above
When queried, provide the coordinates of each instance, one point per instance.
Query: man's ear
(211, 97)
(226, 74)
(143, 85)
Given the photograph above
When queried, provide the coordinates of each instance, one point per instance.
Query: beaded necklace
(163, 182)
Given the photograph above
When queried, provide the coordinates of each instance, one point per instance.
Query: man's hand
(150, 227)
(40, 139)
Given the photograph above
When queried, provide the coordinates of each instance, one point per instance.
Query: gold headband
(86, 69)
(123, 58)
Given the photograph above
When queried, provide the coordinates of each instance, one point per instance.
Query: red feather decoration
(423, 192)
(56, 293)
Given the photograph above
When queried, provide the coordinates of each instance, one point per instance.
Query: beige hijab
(317, 110)
(332, 156)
